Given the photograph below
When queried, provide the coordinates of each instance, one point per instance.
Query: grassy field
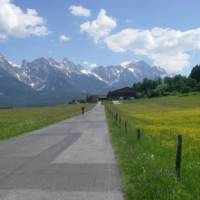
(17, 121)
(148, 165)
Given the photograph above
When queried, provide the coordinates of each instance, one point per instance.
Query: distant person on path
(83, 110)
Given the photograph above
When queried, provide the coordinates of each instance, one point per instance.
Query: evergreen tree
(195, 73)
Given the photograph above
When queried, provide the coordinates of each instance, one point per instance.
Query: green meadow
(17, 121)
(148, 165)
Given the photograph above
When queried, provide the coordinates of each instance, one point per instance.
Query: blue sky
(161, 32)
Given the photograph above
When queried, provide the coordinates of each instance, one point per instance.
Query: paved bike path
(71, 160)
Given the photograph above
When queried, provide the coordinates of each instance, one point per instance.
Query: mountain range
(45, 81)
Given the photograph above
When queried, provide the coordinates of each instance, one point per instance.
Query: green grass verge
(17, 121)
(148, 166)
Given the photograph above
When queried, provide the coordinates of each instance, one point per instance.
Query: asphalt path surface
(70, 160)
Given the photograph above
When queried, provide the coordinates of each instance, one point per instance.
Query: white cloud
(14, 22)
(167, 48)
(99, 28)
(79, 11)
(64, 38)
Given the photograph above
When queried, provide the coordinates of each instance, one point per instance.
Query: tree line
(169, 85)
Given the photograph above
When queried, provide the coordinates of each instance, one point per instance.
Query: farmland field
(16, 121)
(148, 165)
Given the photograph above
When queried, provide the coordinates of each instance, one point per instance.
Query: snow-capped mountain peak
(2, 58)
(47, 74)
(126, 63)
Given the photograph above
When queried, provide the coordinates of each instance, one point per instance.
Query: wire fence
(167, 140)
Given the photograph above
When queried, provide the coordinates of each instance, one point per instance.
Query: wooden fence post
(116, 116)
(138, 134)
(179, 156)
(125, 125)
